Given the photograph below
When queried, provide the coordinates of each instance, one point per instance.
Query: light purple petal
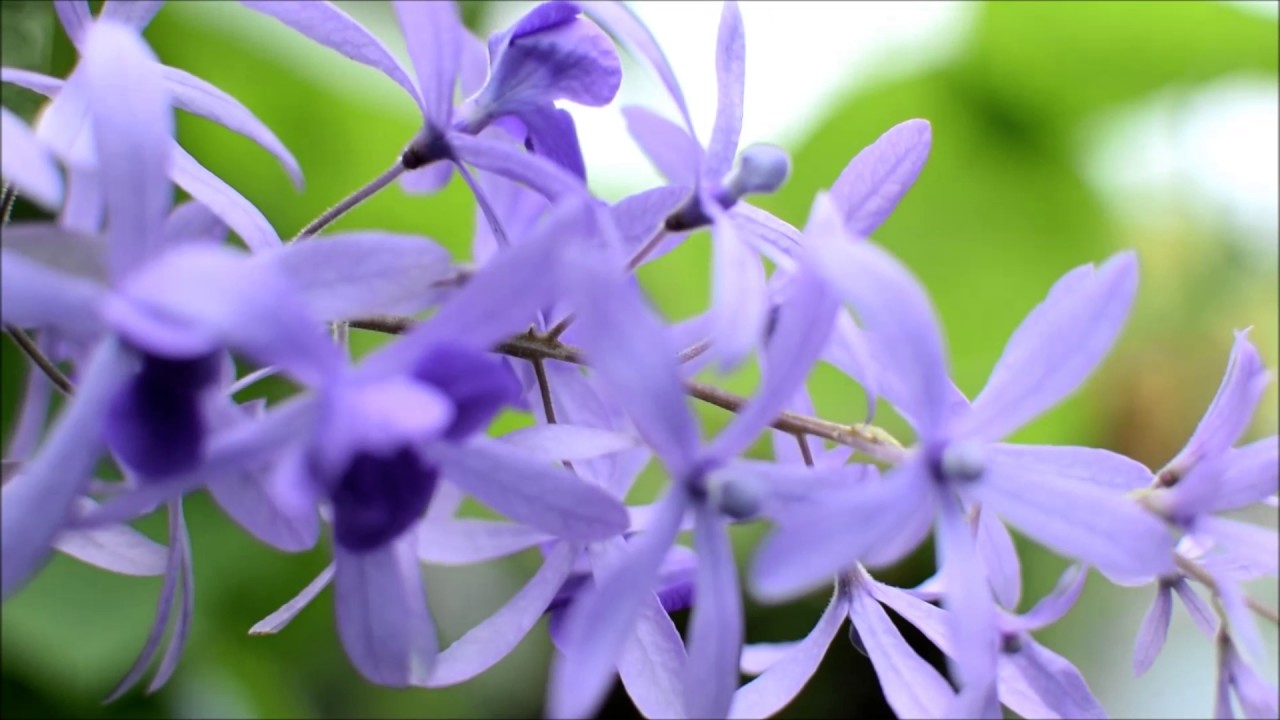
(1258, 699)
(930, 620)
(811, 546)
(37, 502)
(549, 54)
(731, 69)
(632, 354)
(27, 164)
(117, 548)
(1232, 408)
(84, 208)
(1000, 558)
(1077, 519)
(1154, 629)
(233, 208)
(847, 350)
(187, 585)
(464, 541)
(33, 412)
(1052, 607)
(970, 609)
(1240, 619)
(324, 23)
(652, 665)
(1253, 550)
(790, 670)
(553, 135)
(739, 301)
(1056, 347)
(1037, 682)
(1203, 617)
(164, 607)
(876, 179)
(600, 622)
(134, 13)
(1102, 469)
(193, 221)
(1251, 473)
(893, 308)
(494, 638)
(771, 236)
(623, 23)
(531, 492)
(640, 218)
(716, 623)
(428, 179)
(800, 332)
(249, 501)
(133, 131)
(362, 274)
(910, 684)
(433, 36)
(567, 442)
(276, 621)
(33, 294)
(505, 159)
(383, 620)
(671, 150)
(196, 96)
(75, 18)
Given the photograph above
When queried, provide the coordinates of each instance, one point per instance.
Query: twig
(350, 201)
(6, 203)
(1194, 571)
(28, 346)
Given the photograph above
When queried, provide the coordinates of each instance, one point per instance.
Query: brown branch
(31, 350)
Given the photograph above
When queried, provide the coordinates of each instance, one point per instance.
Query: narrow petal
(164, 607)
(193, 221)
(463, 541)
(847, 350)
(133, 131)
(75, 18)
(494, 638)
(1203, 617)
(567, 442)
(37, 502)
(505, 159)
(731, 70)
(383, 620)
(1000, 558)
(276, 621)
(1154, 629)
(770, 235)
(249, 501)
(739, 301)
(1253, 549)
(532, 492)
(670, 148)
(1056, 347)
(970, 608)
(876, 179)
(33, 81)
(1102, 469)
(640, 218)
(27, 164)
(324, 23)
(1037, 682)
(1240, 620)
(893, 308)
(807, 549)
(134, 13)
(427, 180)
(911, 686)
(234, 209)
(196, 96)
(1074, 518)
(787, 675)
(632, 354)
(1258, 698)
(716, 623)
(187, 586)
(117, 548)
(33, 413)
(363, 274)
(803, 323)
(600, 622)
(1052, 607)
(653, 663)
(930, 620)
(553, 135)
(433, 36)
(622, 22)
(1232, 408)
(1250, 475)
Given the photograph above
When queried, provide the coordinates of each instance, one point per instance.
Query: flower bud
(963, 461)
(738, 497)
(761, 169)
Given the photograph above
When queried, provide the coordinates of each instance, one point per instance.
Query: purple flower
(631, 354)
(957, 462)
(548, 55)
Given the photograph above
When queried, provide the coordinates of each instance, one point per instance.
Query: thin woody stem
(31, 350)
(350, 201)
(1199, 574)
(7, 199)
(868, 439)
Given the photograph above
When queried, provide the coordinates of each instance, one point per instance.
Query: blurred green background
(1037, 112)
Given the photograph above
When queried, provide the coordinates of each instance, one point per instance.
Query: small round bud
(761, 169)
(738, 497)
(963, 461)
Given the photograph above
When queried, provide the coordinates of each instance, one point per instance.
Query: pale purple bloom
(549, 54)
(631, 354)
(1041, 490)
(1259, 700)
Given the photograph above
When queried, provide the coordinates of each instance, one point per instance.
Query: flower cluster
(151, 320)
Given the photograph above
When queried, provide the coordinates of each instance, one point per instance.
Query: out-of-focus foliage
(1002, 209)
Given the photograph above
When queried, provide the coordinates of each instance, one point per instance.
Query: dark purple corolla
(957, 462)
